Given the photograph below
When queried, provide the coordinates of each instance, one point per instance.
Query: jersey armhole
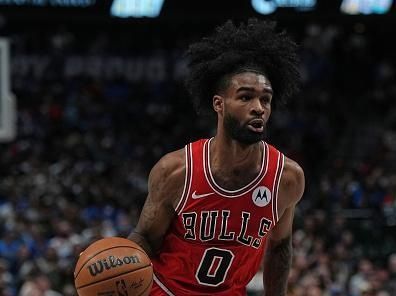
(278, 176)
(187, 180)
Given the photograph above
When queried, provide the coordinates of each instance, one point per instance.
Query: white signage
(366, 6)
(136, 8)
(270, 6)
(54, 3)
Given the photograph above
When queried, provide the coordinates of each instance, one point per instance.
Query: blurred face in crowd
(245, 107)
(392, 263)
(365, 267)
(314, 291)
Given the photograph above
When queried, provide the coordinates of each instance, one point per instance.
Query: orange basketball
(113, 266)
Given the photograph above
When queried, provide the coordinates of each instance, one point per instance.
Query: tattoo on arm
(277, 264)
(147, 218)
(141, 241)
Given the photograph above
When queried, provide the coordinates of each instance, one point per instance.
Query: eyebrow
(252, 89)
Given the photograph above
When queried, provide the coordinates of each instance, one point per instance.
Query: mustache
(256, 120)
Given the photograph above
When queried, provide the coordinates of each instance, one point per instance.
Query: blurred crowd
(78, 169)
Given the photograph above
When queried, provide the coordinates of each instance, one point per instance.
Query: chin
(242, 133)
(249, 138)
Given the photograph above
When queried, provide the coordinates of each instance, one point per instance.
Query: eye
(245, 98)
(266, 100)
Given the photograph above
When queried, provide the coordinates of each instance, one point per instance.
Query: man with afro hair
(220, 205)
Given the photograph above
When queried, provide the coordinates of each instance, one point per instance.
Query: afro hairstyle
(231, 48)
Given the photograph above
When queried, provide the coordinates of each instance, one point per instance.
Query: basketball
(113, 266)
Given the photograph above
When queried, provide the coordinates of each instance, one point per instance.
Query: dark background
(101, 99)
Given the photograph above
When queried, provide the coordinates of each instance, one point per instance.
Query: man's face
(247, 107)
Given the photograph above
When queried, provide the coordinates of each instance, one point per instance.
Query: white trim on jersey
(274, 193)
(243, 190)
(187, 179)
(277, 181)
(162, 286)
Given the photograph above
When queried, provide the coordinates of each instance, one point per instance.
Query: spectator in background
(38, 284)
(360, 281)
(390, 286)
(6, 279)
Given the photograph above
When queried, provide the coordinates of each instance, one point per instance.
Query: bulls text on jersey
(207, 230)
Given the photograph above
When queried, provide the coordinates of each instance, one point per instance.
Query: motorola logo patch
(261, 196)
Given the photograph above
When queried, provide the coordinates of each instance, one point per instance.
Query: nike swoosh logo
(196, 196)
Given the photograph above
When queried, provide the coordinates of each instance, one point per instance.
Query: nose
(257, 107)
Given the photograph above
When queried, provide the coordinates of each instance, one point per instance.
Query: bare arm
(165, 185)
(278, 256)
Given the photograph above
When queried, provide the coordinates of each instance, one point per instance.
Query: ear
(218, 103)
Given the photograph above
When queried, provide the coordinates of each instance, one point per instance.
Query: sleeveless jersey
(216, 242)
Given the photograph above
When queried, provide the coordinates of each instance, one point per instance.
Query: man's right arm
(165, 186)
(278, 256)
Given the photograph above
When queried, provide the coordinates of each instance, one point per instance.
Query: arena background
(100, 99)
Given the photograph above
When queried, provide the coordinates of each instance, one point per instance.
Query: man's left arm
(278, 255)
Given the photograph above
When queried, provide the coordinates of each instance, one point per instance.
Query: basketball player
(218, 206)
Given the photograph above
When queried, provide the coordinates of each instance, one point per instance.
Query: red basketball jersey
(216, 242)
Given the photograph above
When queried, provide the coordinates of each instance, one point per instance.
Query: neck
(233, 154)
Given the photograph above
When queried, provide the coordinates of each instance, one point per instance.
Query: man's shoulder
(293, 167)
(170, 169)
(166, 178)
(172, 166)
(171, 162)
(290, 165)
(177, 158)
(293, 180)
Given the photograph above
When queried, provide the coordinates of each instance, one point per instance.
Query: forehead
(250, 79)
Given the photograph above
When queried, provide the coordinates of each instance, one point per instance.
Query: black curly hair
(232, 48)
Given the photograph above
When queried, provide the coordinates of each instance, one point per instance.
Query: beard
(240, 132)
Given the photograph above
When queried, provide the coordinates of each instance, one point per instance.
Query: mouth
(256, 125)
